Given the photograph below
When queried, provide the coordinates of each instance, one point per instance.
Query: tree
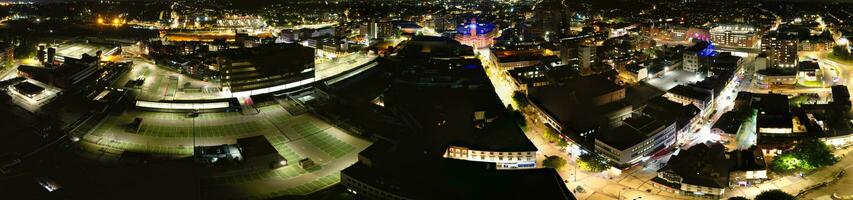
(738, 198)
(555, 162)
(808, 155)
(841, 52)
(774, 195)
(562, 142)
(551, 135)
(27, 49)
(593, 162)
(520, 99)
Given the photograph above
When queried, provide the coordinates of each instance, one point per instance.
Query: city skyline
(413, 99)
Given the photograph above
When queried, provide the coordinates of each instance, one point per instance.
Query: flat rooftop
(441, 178)
(447, 118)
(29, 89)
(256, 146)
(565, 101)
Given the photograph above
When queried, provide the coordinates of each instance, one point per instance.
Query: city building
(685, 116)
(749, 167)
(540, 75)
(809, 71)
(689, 94)
(727, 127)
(636, 139)
(638, 71)
(775, 77)
(71, 72)
(579, 107)
(512, 62)
(578, 55)
(476, 34)
(701, 170)
(552, 18)
(696, 55)
(296, 35)
(386, 172)
(781, 49)
(250, 71)
(379, 30)
(735, 35)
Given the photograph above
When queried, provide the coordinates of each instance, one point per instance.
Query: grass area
(833, 57)
(812, 84)
(802, 99)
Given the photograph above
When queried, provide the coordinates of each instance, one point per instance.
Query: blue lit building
(695, 54)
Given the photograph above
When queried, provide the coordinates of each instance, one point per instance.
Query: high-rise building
(379, 30)
(552, 17)
(578, 56)
(781, 49)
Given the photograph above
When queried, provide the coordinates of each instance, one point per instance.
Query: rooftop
(28, 88)
(809, 65)
(729, 122)
(691, 92)
(703, 164)
(750, 159)
(440, 178)
(565, 101)
(256, 146)
(621, 137)
(447, 117)
(633, 131)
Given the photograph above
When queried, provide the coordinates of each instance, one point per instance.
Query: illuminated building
(477, 35)
(781, 49)
(264, 69)
(636, 140)
(734, 35)
(696, 54)
(577, 55)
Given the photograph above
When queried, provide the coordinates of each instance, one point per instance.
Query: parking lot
(77, 49)
(294, 137)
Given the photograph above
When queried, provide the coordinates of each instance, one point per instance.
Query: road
(841, 188)
(635, 182)
(796, 184)
(613, 184)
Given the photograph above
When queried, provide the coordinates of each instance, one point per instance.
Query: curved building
(477, 35)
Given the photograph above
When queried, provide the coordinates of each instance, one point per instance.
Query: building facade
(743, 36)
(502, 159)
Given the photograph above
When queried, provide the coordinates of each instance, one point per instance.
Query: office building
(636, 140)
(781, 49)
(697, 55)
(735, 35)
(267, 68)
